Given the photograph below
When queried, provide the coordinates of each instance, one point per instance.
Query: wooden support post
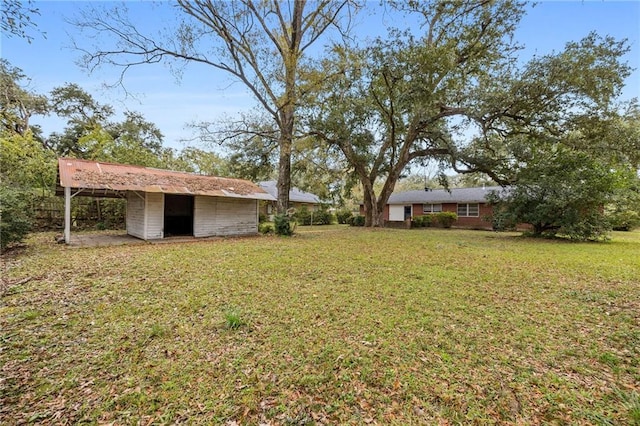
(67, 215)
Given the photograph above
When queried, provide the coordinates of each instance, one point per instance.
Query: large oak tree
(261, 44)
(458, 93)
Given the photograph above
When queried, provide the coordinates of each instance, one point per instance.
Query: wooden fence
(86, 213)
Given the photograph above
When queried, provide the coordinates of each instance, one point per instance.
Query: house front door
(407, 212)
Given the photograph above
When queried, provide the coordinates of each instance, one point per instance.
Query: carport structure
(160, 202)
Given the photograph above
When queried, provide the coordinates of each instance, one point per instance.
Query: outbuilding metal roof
(109, 180)
(295, 194)
(439, 196)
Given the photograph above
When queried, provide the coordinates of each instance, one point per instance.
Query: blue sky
(204, 94)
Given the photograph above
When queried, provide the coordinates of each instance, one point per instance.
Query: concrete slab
(105, 240)
(102, 240)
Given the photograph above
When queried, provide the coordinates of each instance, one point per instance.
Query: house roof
(439, 196)
(295, 194)
(100, 179)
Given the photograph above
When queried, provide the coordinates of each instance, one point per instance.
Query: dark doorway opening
(407, 212)
(178, 215)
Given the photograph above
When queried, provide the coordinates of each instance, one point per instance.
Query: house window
(431, 208)
(469, 210)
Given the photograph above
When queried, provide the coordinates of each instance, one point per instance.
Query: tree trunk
(287, 123)
(284, 175)
(287, 108)
(377, 217)
(373, 208)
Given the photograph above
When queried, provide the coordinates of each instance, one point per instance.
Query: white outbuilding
(163, 203)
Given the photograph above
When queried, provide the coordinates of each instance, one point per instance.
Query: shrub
(323, 217)
(356, 220)
(266, 228)
(624, 220)
(446, 219)
(564, 194)
(501, 221)
(15, 219)
(421, 221)
(262, 218)
(343, 216)
(304, 216)
(283, 225)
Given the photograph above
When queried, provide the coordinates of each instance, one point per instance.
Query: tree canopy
(451, 90)
(261, 44)
(457, 93)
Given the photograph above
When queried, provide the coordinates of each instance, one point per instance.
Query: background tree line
(452, 90)
(28, 158)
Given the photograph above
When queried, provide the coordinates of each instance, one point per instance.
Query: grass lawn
(333, 326)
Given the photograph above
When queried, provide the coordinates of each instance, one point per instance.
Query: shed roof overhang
(109, 180)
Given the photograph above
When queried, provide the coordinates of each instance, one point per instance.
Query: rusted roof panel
(85, 174)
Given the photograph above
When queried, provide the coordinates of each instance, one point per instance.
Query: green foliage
(421, 221)
(357, 220)
(233, 319)
(196, 160)
(463, 97)
(283, 225)
(24, 163)
(17, 104)
(251, 158)
(561, 192)
(624, 220)
(15, 219)
(324, 216)
(304, 216)
(623, 212)
(445, 219)
(501, 220)
(266, 228)
(90, 135)
(343, 216)
(134, 141)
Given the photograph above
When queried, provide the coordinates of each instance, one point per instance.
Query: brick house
(470, 204)
(297, 199)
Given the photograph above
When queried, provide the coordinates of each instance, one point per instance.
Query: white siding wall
(204, 216)
(212, 216)
(396, 213)
(224, 216)
(154, 215)
(236, 216)
(135, 214)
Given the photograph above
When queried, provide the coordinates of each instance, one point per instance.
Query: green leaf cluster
(561, 192)
(15, 220)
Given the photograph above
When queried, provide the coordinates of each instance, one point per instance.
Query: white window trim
(467, 209)
(431, 206)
